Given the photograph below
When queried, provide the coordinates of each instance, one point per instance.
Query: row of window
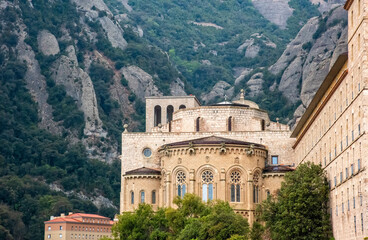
(347, 175)
(207, 178)
(79, 236)
(92, 220)
(143, 197)
(169, 114)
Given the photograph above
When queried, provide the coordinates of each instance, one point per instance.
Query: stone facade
(223, 151)
(332, 132)
(233, 152)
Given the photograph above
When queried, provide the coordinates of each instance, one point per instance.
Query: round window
(147, 152)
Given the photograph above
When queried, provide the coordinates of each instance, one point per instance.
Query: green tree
(192, 219)
(300, 210)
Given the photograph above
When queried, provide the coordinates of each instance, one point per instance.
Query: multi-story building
(229, 151)
(232, 151)
(78, 226)
(332, 132)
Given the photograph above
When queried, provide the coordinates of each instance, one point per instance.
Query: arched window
(153, 197)
(182, 107)
(169, 113)
(263, 124)
(255, 187)
(207, 185)
(131, 197)
(229, 127)
(181, 183)
(157, 117)
(268, 193)
(197, 124)
(142, 197)
(235, 178)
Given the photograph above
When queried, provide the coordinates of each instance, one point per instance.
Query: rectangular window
(361, 215)
(358, 164)
(49, 228)
(348, 205)
(335, 181)
(49, 236)
(358, 129)
(354, 202)
(204, 193)
(325, 161)
(61, 227)
(335, 151)
(275, 160)
(342, 207)
(347, 172)
(60, 235)
(347, 141)
(352, 169)
(142, 197)
(352, 135)
(340, 177)
(330, 157)
(355, 223)
(337, 210)
(341, 146)
(153, 197)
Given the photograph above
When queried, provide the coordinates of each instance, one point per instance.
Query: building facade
(332, 132)
(229, 151)
(233, 152)
(78, 226)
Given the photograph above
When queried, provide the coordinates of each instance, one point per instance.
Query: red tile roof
(77, 218)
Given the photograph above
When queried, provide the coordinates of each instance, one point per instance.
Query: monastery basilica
(232, 151)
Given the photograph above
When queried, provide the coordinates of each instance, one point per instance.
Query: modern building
(78, 226)
(229, 151)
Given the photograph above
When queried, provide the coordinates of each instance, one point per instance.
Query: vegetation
(300, 209)
(192, 219)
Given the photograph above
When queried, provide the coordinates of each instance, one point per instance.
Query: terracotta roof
(76, 218)
(278, 169)
(64, 219)
(86, 215)
(143, 171)
(213, 140)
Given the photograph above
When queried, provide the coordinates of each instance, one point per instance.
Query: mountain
(73, 72)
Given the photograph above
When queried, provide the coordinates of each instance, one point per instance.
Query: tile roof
(278, 169)
(144, 171)
(77, 218)
(213, 140)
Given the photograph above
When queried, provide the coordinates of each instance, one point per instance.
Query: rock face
(240, 73)
(255, 84)
(276, 11)
(36, 83)
(252, 48)
(140, 82)
(79, 86)
(177, 88)
(114, 33)
(47, 43)
(306, 61)
(221, 89)
(318, 62)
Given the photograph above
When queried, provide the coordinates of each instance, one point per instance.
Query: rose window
(181, 177)
(235, 177)
(207, 176)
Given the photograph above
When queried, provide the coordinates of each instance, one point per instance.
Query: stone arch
(207, 190)
(182, 106)
(157, 115)
(180, 186)
(236, 192)
(229, 124)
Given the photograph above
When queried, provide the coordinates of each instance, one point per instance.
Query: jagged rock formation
(177, 88)
(307, 59)
(255, 84)
(79, 86)
(36, 83)
(114, 33)
(140, 82)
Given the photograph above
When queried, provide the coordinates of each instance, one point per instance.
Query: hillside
(73, 72)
